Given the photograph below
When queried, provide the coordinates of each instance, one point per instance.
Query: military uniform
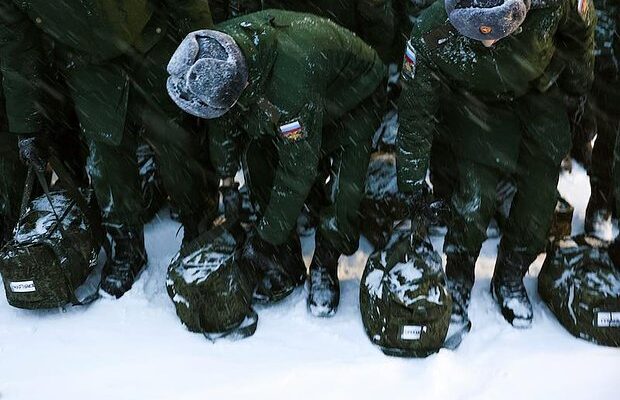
(605, 101)
(501, 113)
(113, 59)
(372, 20)
(13, 174)
(312, 96)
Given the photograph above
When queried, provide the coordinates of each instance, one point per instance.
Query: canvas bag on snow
(55, 246)
(581, 286)
(211, 287)
(404, 303)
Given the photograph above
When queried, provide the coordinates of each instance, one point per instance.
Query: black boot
(292, 260)
(614, 252)
(598, 215)
(323, 285)
(508, 289)
(275, 282)
(126, 261)
(460, 273)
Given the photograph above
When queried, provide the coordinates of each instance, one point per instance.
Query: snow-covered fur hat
(487, 19)
(208, 73)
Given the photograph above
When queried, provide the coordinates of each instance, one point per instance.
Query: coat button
(38, 20)
(158, 30)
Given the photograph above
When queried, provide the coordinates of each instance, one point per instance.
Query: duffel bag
(211, 288)
(404, 303)
(55, 246)
(581, 286)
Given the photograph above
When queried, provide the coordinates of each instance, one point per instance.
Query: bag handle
(92, 216)
(246, 329)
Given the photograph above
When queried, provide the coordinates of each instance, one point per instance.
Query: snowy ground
(136, 348)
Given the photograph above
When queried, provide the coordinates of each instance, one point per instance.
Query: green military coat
(305, 72)
(86, 35)
(553, 46)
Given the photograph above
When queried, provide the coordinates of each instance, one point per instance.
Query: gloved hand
(423, 210)
(231, 200)
(418, 200)
(33, 150)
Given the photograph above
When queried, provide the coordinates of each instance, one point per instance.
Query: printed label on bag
(22, 287)
(608, 319)
(412, 332)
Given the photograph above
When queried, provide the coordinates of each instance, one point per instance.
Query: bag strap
(245, 329)
(91, 214)
(27, 193)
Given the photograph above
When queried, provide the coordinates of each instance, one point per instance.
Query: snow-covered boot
(460, 273)
(508, 289)
(127, 258)
(598, 216)
(323, 285)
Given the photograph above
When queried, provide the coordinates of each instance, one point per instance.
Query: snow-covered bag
(581, 286)
(54, 250)
(404, 303)
(212, 288)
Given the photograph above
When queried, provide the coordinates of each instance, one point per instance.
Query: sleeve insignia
(292, 131)
(409, 62)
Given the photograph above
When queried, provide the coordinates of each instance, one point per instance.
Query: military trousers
(341, 176)
(605, 173)
(178, 140)
(13, 173)
(524, 140)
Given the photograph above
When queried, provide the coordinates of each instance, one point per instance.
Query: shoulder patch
(293, 131)
(409, 62)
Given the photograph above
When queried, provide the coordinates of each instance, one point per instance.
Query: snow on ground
(136, 348)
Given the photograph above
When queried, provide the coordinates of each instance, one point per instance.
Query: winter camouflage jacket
(84, 32)
(304, 71)
(555, 44)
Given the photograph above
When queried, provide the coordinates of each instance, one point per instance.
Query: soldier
(113, 59)
(298, 91)
(605, 105)
(489, 77)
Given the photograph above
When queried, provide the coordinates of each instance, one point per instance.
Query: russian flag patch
(292, 131)
(409, 62)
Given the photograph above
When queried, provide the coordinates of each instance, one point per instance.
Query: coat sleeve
(224, 146)
(190, 15)
(576, 46)
(22, 64)
(418, 105)
(296, 172)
